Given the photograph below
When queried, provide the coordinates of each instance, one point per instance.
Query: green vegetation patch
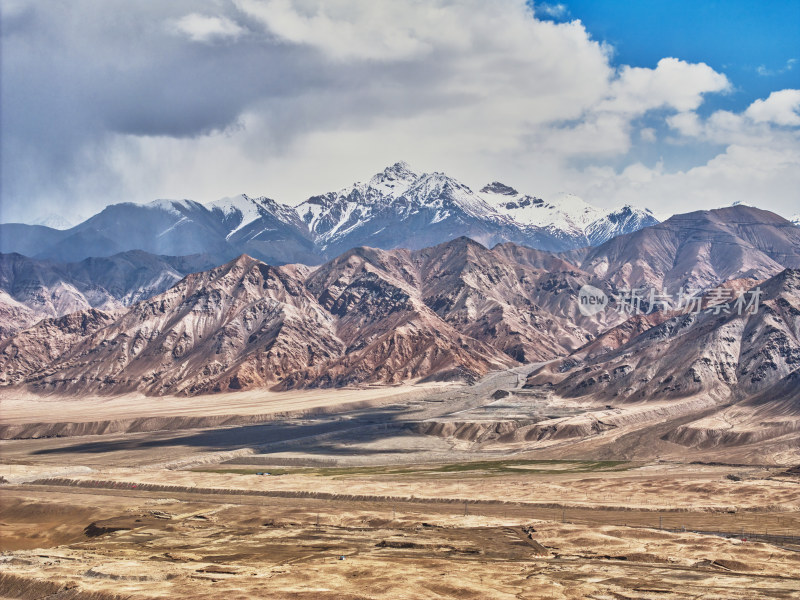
(482, 468)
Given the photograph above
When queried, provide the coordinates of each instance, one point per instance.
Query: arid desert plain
(413, 491)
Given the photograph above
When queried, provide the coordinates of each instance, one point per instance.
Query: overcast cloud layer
(116, 101)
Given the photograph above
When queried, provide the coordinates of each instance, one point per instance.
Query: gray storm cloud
(114, 101)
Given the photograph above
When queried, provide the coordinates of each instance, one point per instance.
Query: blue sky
(670, 105)
(755, 43)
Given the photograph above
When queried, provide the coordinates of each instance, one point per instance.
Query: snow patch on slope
(175, 207)
(242, 210)
(55, 221)
(437, 190)
(567, 213)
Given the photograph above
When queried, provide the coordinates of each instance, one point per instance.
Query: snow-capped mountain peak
(238, 211)
(579, 211)
(618, 221)
(437, 190)
(399, 202)
(530, 210)
(394, 180)
(796, 220)
(566, 213)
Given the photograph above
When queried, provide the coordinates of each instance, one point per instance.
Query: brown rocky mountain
(718, 379)
(389, 333)
(14, 315)
(697, 250)
(499, 297)
(456, 310)
(242, 324)
(722, 355)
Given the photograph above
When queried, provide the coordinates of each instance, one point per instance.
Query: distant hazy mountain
(29, 240)
(44, 288)
(796, 220)
(173, 227)
(54, 221)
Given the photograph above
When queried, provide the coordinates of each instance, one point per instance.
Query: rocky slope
(14, 315)
(716, 353)
(719, 379)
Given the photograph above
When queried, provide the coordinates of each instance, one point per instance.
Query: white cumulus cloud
(781, 108)
(672, 84)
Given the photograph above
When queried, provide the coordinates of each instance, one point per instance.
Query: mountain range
(396, 208)
(451, 311)
(416, 277)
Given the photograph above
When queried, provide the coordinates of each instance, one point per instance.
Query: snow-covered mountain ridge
(567, 213)
(398, 194)
(395, 208)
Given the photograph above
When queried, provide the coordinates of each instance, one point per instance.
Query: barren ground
(427, 492)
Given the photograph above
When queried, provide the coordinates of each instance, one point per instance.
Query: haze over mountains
(32, 289)
(396, 208)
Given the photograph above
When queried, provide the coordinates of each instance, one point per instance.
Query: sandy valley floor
(408, 493)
